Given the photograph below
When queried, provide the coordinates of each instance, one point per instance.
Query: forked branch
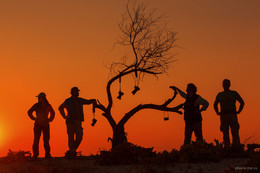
(162, 107)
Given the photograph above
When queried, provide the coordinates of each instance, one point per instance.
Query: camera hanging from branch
(94, 120)
(137, 79)
(165, 115)
(120, 93)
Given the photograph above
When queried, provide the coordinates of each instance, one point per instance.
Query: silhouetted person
(228, 113)
(74, 118)
(192, 112)
(41, 125)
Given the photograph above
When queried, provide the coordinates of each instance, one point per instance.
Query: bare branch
(162, 107)
(149, 106)
(120, 75)
(149, 39)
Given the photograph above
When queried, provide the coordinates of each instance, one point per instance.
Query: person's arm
(91, 101)
(88, 102)
(52, 113)
(242, 103)
(204, 103)
(30, 111)
(61, 109)
(183, 94)
(216, 106)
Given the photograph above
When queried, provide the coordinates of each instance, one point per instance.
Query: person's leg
(224, 127)
(188, 133)
(70, 132)
(37, 135)
(197, 126)
(79, 134)
(46, 139)
(234, 126)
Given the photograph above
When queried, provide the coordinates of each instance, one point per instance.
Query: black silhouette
(120, 94)
(135, 90)
(94, 121)
(166, 117)
(74, 118)
(150, 41)
(192, 112)
(228, 114)
(41, 125)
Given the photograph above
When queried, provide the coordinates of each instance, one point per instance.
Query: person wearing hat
(74, 119)
(193, 106)
(41, 124)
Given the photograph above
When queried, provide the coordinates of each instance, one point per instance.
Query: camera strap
(93, 111)
(94, 115)
(165, 115)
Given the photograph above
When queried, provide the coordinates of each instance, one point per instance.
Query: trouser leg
(46, 139)
(37, 135)
(70, 132)
(197, 126)
(188, 133)
(234, 126)
(224, 127)
(79, 134)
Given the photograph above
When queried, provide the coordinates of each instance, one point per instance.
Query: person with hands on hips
(193, 106)
(42, 124)
(228, 113)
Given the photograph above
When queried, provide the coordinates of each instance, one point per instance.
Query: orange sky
(52, 46)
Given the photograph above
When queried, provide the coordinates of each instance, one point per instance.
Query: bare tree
(150, 41)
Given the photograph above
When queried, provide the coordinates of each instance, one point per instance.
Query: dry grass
(129, 158)
(62, 165)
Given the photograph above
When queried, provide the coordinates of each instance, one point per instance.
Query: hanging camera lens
(94, 121)
(120, 94)
(135, 90)
(166, 118)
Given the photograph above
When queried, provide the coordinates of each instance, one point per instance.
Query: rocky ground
(129, 158)
(62, 165)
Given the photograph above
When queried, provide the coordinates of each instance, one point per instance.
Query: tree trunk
(119, 136)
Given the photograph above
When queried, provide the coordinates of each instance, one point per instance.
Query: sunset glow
(51, 46)
(2, 137)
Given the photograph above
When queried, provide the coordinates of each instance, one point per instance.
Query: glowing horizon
(52, 46)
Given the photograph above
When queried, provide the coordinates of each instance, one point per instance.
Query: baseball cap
(42, 94)
(75, 89)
